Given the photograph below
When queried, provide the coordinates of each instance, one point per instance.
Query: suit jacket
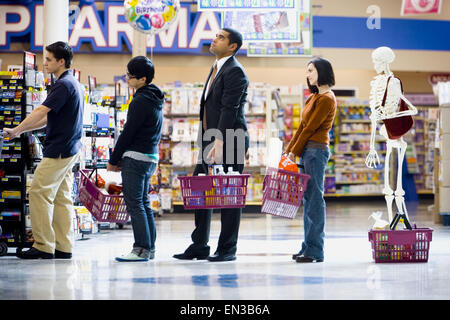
(226, 99)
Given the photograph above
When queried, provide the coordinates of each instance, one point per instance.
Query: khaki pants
(51, 206)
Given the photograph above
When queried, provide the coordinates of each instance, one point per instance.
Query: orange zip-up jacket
(316, 122)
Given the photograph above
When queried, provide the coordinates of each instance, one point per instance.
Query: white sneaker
(131, 257)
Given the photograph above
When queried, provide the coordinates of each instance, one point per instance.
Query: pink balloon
(157, 21)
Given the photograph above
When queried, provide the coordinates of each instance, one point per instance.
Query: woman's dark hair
(234, 36)
(61, 50)
(140, 67)
(324, 72)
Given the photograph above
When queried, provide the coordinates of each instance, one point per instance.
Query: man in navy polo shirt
(51, 205)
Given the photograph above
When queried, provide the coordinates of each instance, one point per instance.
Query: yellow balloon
(167, 16)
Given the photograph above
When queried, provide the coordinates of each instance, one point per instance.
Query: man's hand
(11, 133)
(113, 168)
(216, 153)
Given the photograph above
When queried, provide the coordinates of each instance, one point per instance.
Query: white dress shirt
(219, 64)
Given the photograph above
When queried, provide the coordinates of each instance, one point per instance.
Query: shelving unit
(178, 151)
(20, 91)
(349, 177)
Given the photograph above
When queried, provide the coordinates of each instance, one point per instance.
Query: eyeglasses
(129, 76)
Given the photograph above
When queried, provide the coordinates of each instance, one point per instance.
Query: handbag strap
(385, 91)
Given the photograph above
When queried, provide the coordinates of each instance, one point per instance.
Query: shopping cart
(401, 245)
(215, 191)
(104, 207)
(283, 192)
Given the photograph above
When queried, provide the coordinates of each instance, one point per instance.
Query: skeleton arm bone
(372, 158)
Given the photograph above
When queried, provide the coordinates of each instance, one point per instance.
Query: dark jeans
(136, 181)
(314, 161)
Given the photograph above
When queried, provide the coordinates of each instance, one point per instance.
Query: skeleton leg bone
(387, 190)
(399, 192)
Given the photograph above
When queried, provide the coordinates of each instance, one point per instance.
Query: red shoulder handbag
(397, 127)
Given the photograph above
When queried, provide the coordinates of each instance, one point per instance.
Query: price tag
(17, 100)
(5, 100)
(13, 160)
(12, 81)
(16, 122)
(4, 179)
(7, 112)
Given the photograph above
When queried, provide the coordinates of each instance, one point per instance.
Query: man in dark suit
(224, 141)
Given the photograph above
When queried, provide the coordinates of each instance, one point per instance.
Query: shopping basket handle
(90, 175)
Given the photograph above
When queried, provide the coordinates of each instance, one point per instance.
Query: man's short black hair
(61, 50)
(140, 67)
(325, 73)
(234, 36)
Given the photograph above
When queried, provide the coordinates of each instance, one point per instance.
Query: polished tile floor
(263, 269)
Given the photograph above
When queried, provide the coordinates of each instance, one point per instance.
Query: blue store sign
(108, 30)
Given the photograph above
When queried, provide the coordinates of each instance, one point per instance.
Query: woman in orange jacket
(311, 144)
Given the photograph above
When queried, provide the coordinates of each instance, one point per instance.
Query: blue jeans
(136, 181)
(314, 161)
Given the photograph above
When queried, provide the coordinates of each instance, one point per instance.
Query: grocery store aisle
(263, 269)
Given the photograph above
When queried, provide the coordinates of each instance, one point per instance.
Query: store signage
(271, 26)
(287, 49)
(108, 30)
(413, 7)
(252, 5)
(421, 99)
(434, 78)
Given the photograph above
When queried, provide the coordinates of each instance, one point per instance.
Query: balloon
(151, 16)
(157, 21)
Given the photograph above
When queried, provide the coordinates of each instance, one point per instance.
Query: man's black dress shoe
(62, 255)
(221, 257)
(34, 253)
(190, 256)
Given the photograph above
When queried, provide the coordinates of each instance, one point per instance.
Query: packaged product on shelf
(179, 101)
(155, 201)
(181, 130)
(181, 154)
(166, 198)
(193, 129)
(102, 145)
(165, 131)
(195, 96)
(165, 174)
(154, 179)
(164, 151)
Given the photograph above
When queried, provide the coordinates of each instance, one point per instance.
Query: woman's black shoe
(294, 256)
(303, 259)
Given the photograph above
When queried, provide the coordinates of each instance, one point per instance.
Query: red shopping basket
(104, 207)
(283, 192)
(401, 245)
(216, 191)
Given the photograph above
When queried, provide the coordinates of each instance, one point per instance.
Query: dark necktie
(211, 79)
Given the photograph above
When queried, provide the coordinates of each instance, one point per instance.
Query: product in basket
(287, 164)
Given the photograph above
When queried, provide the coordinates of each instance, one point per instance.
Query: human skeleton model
(381, 58)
